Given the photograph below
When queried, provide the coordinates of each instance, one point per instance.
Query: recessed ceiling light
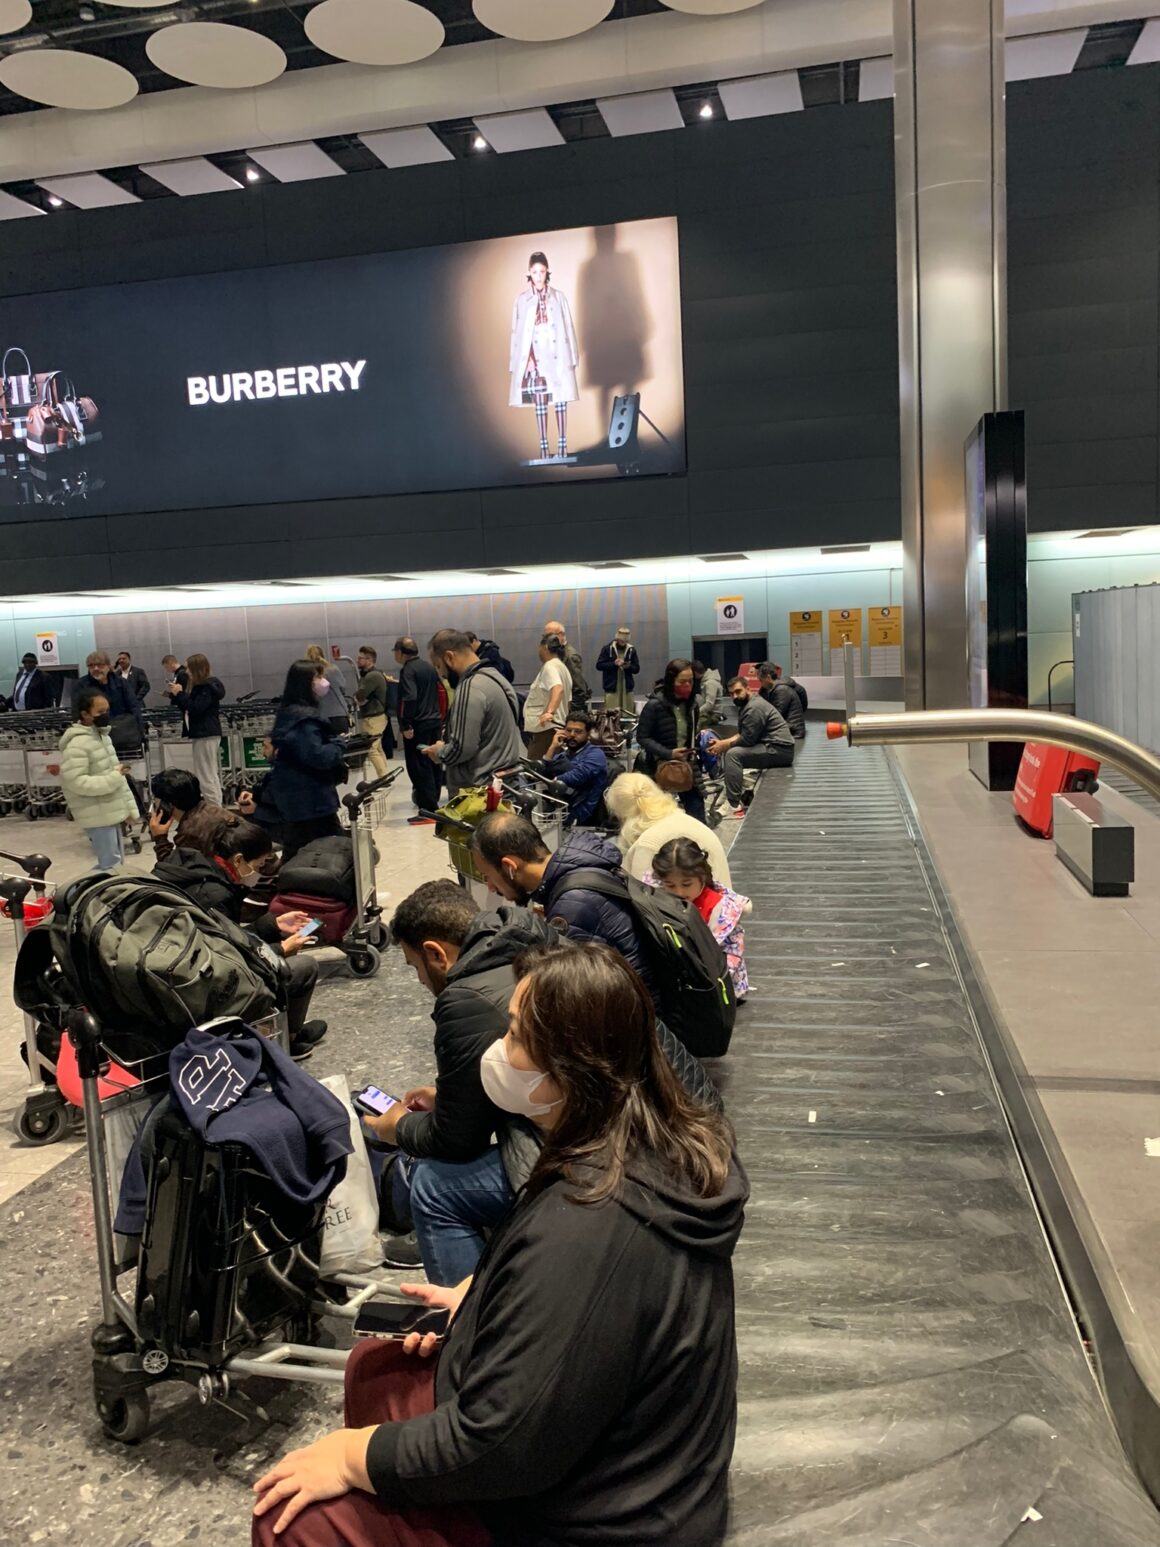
(479, 143)
(252, 175)
(54, 201)
(706, 110)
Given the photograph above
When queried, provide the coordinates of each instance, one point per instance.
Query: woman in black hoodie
(586, 1393)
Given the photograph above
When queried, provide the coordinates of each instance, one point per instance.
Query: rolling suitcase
(226, 1258)
(1046, 771)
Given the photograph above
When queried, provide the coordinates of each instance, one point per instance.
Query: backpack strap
(602, 882)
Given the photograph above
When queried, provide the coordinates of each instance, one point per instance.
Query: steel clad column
(951, 200)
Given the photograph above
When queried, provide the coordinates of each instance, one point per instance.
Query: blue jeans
(107, 846)
(452, 1205)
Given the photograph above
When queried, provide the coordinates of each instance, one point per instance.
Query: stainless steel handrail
(931, 725)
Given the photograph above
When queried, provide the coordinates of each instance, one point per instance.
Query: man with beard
(579, 768)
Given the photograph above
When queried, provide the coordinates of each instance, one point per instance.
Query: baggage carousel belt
(911, 1371)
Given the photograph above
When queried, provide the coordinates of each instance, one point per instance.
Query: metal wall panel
(1116, 642)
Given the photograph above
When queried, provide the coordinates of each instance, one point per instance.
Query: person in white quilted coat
(92, 779)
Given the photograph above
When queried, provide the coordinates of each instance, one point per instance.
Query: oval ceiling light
(710, 7)
(58, 77)
(540, 21)
(14, 14)
(212, 53)
(380, 32)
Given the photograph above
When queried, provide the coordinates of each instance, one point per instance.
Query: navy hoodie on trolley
(243, 1089)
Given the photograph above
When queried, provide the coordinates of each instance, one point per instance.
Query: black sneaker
(747, 798)
(401, 1251)
(302, 1045)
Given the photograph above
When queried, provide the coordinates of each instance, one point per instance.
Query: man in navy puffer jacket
(515, 861)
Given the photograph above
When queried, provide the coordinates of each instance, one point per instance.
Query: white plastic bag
(350, 1234)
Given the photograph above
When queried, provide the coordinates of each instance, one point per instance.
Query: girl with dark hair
(683, 868)
(587, 1388)
(667, 734)
(544, 355)
(308, 764)
(199, 702)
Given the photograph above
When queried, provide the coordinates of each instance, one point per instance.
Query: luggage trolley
(39, 732)
(45, 1116)
(262, 1276)
(355, 925)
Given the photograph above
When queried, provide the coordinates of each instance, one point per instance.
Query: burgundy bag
(335, 917)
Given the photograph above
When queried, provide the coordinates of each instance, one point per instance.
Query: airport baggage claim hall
(580, 773)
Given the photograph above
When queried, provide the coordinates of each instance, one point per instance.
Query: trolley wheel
(30, 814)
(135, 844)
(126, 1418)
(44, 1127)
(378, 936)
(365, 963)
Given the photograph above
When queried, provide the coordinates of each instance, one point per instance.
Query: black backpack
(146, 959)
(689, 970)
(324, 867)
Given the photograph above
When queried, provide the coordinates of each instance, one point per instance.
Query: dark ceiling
(120, 35)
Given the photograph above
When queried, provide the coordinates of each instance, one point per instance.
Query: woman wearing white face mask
(586, 1391)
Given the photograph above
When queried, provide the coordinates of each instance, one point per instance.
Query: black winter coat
(588, 915)
(657, 730)
(607, 667)
(586, 1395)
(308, 765)
(199, 703)
(787, 703)
(470, 1014)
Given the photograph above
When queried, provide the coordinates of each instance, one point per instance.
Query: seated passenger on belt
(578, 767)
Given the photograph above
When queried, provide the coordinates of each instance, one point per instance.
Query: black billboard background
(417, 423)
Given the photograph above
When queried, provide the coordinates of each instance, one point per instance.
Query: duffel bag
(324, 867)
(142, 956)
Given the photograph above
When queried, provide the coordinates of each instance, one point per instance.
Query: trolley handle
(84, 1032)
(364, 791)
(34, 865)
(14, 889)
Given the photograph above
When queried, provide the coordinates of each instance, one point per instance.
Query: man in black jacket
(124, 705)
(465, 959)
(133, 675)
(421, 723)
(784, 698)
(763, 740)
(32, 688)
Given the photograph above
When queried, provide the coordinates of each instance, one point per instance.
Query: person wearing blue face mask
(586, 1389)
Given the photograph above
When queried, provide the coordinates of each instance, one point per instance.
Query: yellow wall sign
(805, 623)
(885, 626)
(845, 627)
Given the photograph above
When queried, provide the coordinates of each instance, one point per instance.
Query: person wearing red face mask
(667, 734)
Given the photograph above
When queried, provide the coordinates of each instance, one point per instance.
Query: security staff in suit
(33, 688)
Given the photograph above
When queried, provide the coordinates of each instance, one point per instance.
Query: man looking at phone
(457, 1181)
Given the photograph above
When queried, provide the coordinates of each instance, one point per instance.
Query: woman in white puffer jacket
(92, 779)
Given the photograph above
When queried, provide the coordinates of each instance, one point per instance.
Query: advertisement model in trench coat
(544, 355)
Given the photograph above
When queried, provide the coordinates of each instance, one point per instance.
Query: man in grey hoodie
(482, 732)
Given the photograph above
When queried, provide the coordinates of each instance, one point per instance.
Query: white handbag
(350, 1232)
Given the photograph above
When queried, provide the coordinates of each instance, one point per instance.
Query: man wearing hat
(619, 664)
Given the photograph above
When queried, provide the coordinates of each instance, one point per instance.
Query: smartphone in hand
(392, 1319)
(373, 1102)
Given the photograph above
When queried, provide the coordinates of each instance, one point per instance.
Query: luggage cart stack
(33, 736)
(245, 725)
